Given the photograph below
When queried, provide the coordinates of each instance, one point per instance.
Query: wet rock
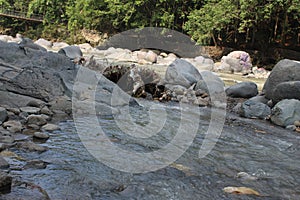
(30, 110)
(5, 182)
(242, 90)
(284, 71)
(72, 52)
(183, 73)
(35, 164)
(253, 109)
(36, 120)
(3, 115)
(286, 112)
(30, 146)
(3, 163)
(61, 104)
(50, 127)
(41, 135)
(13, 126)
(286, 90)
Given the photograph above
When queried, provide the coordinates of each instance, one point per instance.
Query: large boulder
(44, 43)
(242, 90)
(283, 81)
(254, 109)
(183, 73)
(236, 61)
(286, 112)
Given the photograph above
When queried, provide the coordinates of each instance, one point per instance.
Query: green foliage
(255, 23)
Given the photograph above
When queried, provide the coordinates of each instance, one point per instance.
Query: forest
(245, 24)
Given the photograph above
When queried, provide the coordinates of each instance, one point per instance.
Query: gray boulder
(183, 73)
(5, 182)
(286, 112)
(254, 109)
(261, 99)
(284, 71)
(72, 52)
(242, 90)
(286, 90)
(210, 83)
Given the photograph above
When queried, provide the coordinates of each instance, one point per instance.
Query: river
(270, 155)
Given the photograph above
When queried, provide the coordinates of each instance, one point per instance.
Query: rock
(61, 104)
(50, 127)
(37, 120)
(3, 163)
(286, 112)
(46, 111)
(13, 126)
(41, 135)
(59, 45)
(3, 115)
(30, 110)
(34, 103)
(46, 117)
(210, 83)
(286, 90)
(181, 72)
(291, 127)
(34, 74)
(16, 111)
(242, 90)
(27, 43)
(13, 99)
(44, 43)
(5, 182)
(85, 47)
(35, 164)
(72, 52)
(6, 137)
(151, 57)
(297, 123)
(284, 71)
(33, 127)
(236, 61)
(254, 109)
(261, 99)
(33, 147)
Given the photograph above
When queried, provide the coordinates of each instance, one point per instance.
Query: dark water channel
(269, 154)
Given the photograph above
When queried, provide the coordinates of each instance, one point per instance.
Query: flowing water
(270, 155)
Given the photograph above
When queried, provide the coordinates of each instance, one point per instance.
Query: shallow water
(271, 156)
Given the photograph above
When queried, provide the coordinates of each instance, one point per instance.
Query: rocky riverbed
(43, 93)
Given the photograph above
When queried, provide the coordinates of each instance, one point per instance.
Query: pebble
(30, 110)
(291, 127)
(297, 123)
(33, 147)
(50, 127)
(3, 163)
(13, 126)
(41, 135)
(45, 110)
(37, 120)
(5, 182)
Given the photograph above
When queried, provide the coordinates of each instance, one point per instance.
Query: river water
(270, 155)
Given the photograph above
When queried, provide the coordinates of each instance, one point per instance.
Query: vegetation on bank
(247, 24)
